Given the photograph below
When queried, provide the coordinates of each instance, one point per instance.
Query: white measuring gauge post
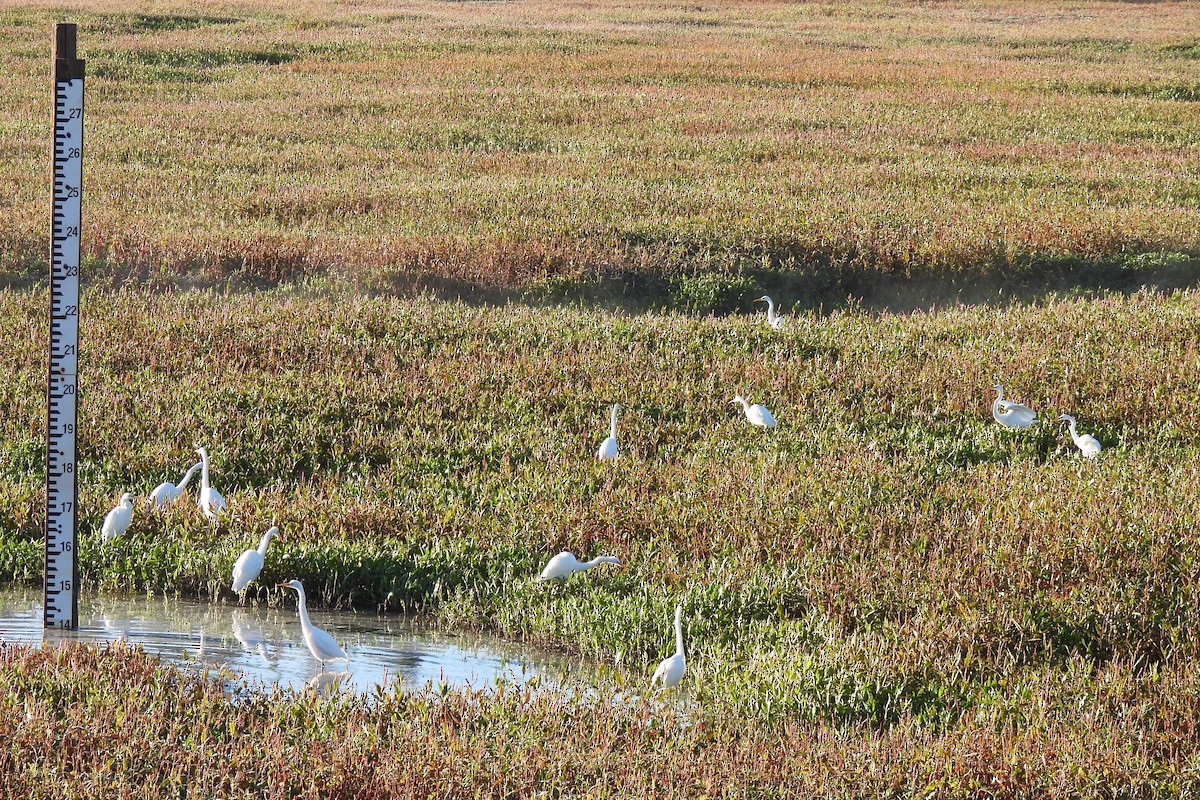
(61, 602)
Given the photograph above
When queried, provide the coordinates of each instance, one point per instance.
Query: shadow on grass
(823, 285)
(696, 277)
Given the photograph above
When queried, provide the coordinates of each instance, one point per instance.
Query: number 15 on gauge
(61, 603)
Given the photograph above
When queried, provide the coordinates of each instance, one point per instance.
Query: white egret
(756, 414)
(210, 501)
(671, 670)
(167, 493)
(1010, 414)
(608, 448)
(565, 564)
(1088, 445)
(250, 563)
(776, 321)
(116, 522)
(320, 643)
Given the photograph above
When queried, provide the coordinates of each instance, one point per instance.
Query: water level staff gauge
(60, 600)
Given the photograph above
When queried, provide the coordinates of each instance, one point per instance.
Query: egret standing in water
(210, 501)
(756, 414)
(320, 643)
(1010, 414)
(565, 564)
(608, 448)
(670, 672)
(116, 522)
(776, 321)
(167, 493)
(1088, 445)
(250, 563)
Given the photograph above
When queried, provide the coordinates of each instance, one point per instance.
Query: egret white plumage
(670, 672)
(1010, 414)
(320, 643)
(210, 500)
(756, 414)
(1088, 445)
(116, 521)
(564, 565)
(776, 321)
(167, 493)
(250, 563)
(608, 448)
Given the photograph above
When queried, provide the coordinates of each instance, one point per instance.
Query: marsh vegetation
(472, 229)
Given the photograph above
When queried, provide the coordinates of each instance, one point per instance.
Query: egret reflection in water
(329, 681)
(264, 646)
(249, 634)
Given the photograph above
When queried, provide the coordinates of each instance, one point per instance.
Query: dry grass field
(538, 145)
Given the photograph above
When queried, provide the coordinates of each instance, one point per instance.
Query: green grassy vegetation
(615, 151)
(888, 560)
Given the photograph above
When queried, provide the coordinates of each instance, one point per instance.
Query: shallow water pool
(263, 646)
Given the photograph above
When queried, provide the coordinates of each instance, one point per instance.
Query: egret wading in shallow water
(608, 448)
(670, 671)
(776, 321)
(250, 563)
(1088, 445)
(756, 414)
(210, 501)
(1010, 414)
(116, 522)
(565, 564)
(167, 493)
(320, 643)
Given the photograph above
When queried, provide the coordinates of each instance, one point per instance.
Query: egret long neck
(770, 310)
(679, 631)
(612, 428)
(304, 621)
(204, 472)
(187, 476)
(595, 562)
(266, 540)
